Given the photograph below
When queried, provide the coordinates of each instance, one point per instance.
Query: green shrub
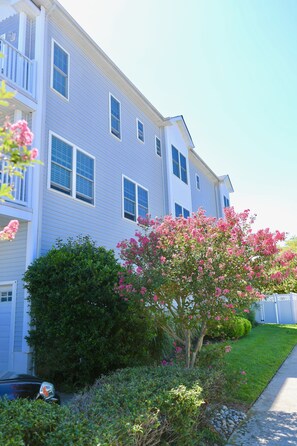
(80, 328)
(137, 406)
(233, 328)
(36, 423)
(251, 316)
(145, 405)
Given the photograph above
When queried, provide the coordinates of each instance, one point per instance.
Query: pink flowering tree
(191, 271)
(15, 157)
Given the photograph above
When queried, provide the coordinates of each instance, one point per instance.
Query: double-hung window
(60, 70)
(197, 182)
(179, 165)
(115, 117)
(181, 212)
(140, 130)
(226, 202)
(158, 146)
(135, 200)
(72, 170)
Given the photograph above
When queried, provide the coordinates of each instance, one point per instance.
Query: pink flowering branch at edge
(9, 232)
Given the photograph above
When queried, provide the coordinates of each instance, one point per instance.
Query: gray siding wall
(11, 24)
(206, 196)
(30, 38)
(84, 121)
(12, 267)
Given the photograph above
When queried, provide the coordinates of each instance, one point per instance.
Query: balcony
(20, 186)
(17, 69)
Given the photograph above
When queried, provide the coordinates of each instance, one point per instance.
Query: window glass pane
(115, 117)
(60, 71)
(60, 83)
(158, 146)
(84, 177)
(140, 131)
(115, 107)
(60, 59)
(178, 210)
(142, 202)
(197, 182)
(129, 200)
(61, 152)
(183, 169)
(175, 161)
(186, 213)
(115, 127)
(61, 165)
(61, 179)
(85, 165)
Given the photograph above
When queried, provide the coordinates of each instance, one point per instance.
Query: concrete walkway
(272, 420)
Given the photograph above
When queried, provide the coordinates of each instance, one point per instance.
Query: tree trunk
(188, 348)
(198, 346)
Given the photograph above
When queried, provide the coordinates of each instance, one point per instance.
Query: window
(5, 296)
(179, 165)
(60, 69)
(226, 202)
(72, 171)
(140, 131)
(135, 200)
(180, 211)
(115, 117)
(158, 146)
(197, 182)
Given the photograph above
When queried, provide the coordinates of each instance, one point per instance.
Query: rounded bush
(232, 328)
(80, 327)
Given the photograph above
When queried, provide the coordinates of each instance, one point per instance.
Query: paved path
(272, 420)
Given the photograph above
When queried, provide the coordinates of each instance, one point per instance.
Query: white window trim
(136, 197)
(156, 137)
(52, 71)
(197, 176)
(137, 134)
(109, 108)
(13, 285)
(75, 147)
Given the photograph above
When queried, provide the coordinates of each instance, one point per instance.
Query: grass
(259, 355)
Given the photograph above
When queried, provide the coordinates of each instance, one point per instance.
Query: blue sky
(229, 67)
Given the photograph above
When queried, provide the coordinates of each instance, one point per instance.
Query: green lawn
(259, 354)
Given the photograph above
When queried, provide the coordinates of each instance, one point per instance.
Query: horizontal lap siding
(84, 121)
(12, 267)
(206, 196)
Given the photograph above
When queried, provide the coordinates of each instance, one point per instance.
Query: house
(109, 156)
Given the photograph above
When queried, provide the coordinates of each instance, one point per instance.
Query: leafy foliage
(146, 406)
(36, 423)
(80, 328)
(233, 328)
(190, 271)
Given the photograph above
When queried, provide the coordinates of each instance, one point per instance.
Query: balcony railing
(17, 68)
(20, 186)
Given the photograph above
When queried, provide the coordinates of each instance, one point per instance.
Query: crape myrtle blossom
(9, 232)
(15, 157)
(192, 270)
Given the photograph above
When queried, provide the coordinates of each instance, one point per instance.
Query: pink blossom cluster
(21, 133)
(202, 268)
(9, 232)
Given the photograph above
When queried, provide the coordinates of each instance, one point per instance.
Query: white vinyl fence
(278, 309)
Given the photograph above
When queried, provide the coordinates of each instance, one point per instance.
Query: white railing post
(17, 68)
(276, 308)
